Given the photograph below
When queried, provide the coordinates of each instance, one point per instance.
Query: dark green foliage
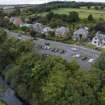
(90, 17)
(100, 63)
(74, 17)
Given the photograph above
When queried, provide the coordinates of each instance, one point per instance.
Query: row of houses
(81, 33)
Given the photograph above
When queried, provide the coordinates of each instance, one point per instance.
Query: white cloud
(23, 1)
(37, 1)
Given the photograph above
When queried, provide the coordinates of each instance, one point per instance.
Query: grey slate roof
(63, 31)
(100, 36)
(81, 31)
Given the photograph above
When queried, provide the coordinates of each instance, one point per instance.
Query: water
(9, 95)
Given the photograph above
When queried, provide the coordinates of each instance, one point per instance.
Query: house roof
(26, 25)
(38, 27)
(16, 20)
(82, 31)
(47, 29)
(100, 36)
(62, 30)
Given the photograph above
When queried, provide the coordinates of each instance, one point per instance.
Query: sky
(39, 1)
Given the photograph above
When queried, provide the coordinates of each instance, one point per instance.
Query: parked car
(84, 58)
(90, 60)
(77, 55)
(56, 50)
(46, 43)
(74, 49)
(52, 49)
(62, 51)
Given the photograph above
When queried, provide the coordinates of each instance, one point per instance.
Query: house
(47, 30)
(62, 32)
(16, 20)
(38, 27)
(99, 40)
(81, 33)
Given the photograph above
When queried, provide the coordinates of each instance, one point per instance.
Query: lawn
(83, 12)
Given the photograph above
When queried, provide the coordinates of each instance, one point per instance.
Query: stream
(8, 95)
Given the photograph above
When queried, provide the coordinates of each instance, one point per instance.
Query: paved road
(67, 47)
(18, 35)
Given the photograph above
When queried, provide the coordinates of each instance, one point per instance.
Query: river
(9, 95)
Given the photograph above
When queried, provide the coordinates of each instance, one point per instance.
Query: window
(95, 38)
(95, 42)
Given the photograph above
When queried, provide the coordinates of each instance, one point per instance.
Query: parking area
(84, 56)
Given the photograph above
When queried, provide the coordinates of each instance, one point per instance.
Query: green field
(83, 12)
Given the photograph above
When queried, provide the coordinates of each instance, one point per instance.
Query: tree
(73, 16)
(88, 7)
(102, 7)
(90, 17)
(56, 23)
(74, 66)
(102, 96)
(55, 84)
(3, 36)
(96, 8)
(33, 33)
(100, 27)
(100, 63)
(49, 16)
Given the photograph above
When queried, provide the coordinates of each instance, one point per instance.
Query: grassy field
(83, 12)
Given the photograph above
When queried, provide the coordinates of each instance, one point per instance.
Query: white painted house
(99, 40)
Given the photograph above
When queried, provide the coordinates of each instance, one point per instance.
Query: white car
(90, 60)
(77, 55)
(74, 49)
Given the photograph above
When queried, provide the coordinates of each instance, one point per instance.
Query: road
(68, 55)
